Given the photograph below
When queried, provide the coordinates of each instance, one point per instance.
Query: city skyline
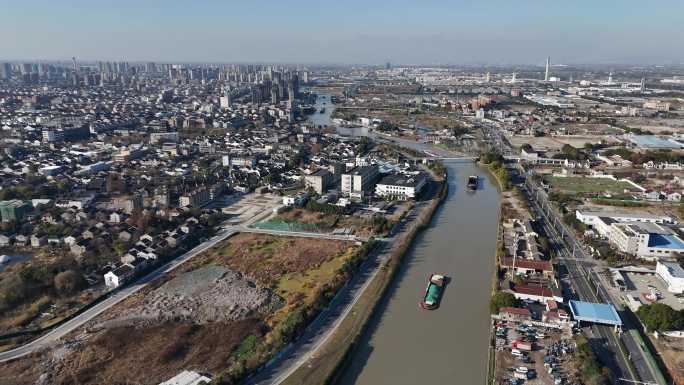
(341, 193)
(498, 33)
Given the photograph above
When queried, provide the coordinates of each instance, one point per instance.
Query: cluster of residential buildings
(146, 251)
(530, 276)
(121, 166)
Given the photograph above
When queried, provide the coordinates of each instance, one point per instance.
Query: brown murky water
(407, 345)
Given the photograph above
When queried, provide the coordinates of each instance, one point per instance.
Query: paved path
(303, 234)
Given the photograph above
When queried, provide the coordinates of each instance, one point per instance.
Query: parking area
(649, 288)
(534, 355)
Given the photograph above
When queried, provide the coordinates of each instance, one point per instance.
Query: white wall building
(359, 180)
(400, 187)
(673, 275)
(297, 200)
(645, 240)
(588, 217)
(119, 276)
(187, 377)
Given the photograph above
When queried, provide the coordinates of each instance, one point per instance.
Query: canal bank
(403, 344)
(329, 360)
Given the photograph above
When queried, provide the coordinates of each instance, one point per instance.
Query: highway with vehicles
(625, 357)
(621, 353)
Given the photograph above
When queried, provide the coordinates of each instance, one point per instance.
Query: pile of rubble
(208, 294)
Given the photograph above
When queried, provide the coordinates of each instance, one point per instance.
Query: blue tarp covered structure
(664, 241)
(600, 313)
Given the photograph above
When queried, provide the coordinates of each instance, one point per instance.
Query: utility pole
(573, 250)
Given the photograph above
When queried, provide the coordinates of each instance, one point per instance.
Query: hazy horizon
(354, 32)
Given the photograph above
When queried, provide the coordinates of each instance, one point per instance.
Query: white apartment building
(359, 180)
(197, 198)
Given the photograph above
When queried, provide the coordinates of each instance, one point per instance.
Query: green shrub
(661, 317)
(502, 299)
(592, 371)
(247, 348)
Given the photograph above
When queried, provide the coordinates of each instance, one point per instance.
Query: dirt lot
(115, 355)
(656, 126)
(654, 209)
(672, 353)
(265, 258)
(206, 295)
(308, 217)
(512, 206)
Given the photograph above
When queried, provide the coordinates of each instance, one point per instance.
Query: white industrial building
(400, 187)
(588, 217)
(673, 275)
(645, 240)
(644, 236)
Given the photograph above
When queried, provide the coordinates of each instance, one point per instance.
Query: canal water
(407, 345)
(319, 118)
(323, 119)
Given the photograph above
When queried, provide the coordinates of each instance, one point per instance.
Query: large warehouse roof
(595, 312)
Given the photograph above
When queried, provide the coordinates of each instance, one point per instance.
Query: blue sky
(346, 31)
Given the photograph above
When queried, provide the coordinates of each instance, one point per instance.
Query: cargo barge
(433, 292)
(472, 182)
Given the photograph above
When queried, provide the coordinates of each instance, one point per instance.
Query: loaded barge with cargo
(472, 182)
(433, 292)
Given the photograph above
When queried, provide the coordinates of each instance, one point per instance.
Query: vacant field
(29, 298)
(303, 272)
(554, 143)
(266, 258)
(116, 355)
(673, 125)
(309, 217)
(578, 185)
(672, 352)
(299, 219)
